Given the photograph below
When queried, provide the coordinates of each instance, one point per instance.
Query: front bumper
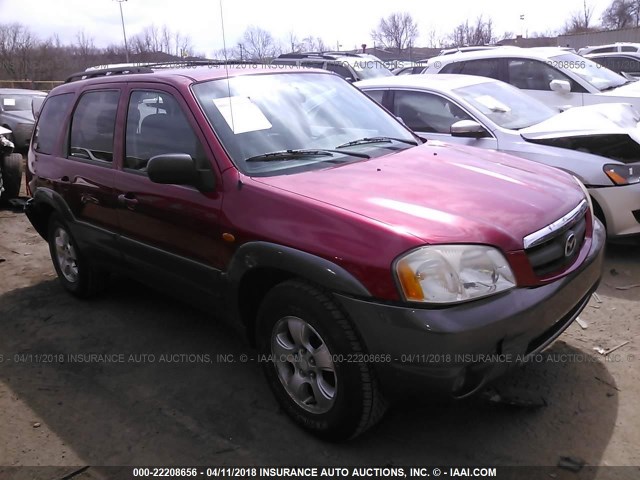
(452, 349)
(618, 205)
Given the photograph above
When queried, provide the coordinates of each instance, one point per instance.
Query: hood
(445, 193)
(23, 116)
(610, 130)
(631, 89)
(600, 119)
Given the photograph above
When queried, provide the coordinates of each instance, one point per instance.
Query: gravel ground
(183, 411)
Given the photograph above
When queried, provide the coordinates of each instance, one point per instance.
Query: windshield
(14, 103)
(507, 106)
(371, 69)
(600, 77)
(254, 115)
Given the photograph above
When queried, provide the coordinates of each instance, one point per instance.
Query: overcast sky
(346, 22)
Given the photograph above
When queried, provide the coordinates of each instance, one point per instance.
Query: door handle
(128, 200)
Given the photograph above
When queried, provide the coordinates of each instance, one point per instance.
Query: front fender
(318, 270)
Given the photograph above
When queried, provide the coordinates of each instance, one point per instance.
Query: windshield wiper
(297, 154)
(366, 140)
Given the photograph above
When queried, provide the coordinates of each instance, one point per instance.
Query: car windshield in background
(296, 122)
(505, 105)
(15, 103)
(371, 69)
(600, 77)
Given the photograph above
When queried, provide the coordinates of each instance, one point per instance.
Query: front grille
(558, 244)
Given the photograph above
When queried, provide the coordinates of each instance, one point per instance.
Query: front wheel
(313, 363)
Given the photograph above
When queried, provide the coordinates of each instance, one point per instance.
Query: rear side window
(604, 50)
(452, 68)
(627, 48)
(340, 70)
(376, 95)
(489, 67)
(50, 123)
(92, 126)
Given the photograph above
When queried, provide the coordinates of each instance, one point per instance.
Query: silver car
(599, 144)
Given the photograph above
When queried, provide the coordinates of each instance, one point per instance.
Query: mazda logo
(570, 244)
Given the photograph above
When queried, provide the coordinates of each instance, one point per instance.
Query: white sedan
(599, 144)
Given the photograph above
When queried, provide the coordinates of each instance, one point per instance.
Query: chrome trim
(544, 234)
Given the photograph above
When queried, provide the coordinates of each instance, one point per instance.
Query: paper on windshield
(241, 114)
(492, 104)
(9, 102)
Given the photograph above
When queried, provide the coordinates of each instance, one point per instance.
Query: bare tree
(398, 31)
(580, 20)
(433, 39)
(313, 44)
(621, 14)
(84, 45)
(259, 44)
(478, 33)
(16, 50)
(293, 44)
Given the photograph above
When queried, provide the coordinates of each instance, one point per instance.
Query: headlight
(622, 174)
(453, 273)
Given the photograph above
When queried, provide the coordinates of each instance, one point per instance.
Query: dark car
(624, 63)
(16, 114)
(10, 168)
(363, 265)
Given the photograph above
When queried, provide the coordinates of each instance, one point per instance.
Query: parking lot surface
(136, 378)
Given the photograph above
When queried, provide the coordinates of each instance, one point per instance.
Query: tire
(74, 272)
(334, 400)
(11, 177)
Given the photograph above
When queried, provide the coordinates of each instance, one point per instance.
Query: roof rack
(106, 72)
(148, 68)
(322, 55)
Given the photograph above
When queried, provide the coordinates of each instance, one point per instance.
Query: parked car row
(363, 262)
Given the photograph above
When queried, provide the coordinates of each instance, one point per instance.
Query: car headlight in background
(453, 273)
(622, 174)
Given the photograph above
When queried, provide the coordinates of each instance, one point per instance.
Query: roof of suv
(609, 45)
(444, 81)
(536, 52)
(185, 75)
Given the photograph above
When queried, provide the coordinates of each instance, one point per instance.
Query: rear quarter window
(51, 123)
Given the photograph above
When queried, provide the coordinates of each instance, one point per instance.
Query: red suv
(363, 264)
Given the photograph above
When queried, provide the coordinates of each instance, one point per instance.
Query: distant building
(591, 39)
(521, 41)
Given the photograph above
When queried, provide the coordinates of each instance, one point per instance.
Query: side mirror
(468, 129)
(349, 79)
(179, 169)
(560, 86)
(172, 168)
(36, 106)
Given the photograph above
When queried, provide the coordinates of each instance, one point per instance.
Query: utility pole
(124, 33)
